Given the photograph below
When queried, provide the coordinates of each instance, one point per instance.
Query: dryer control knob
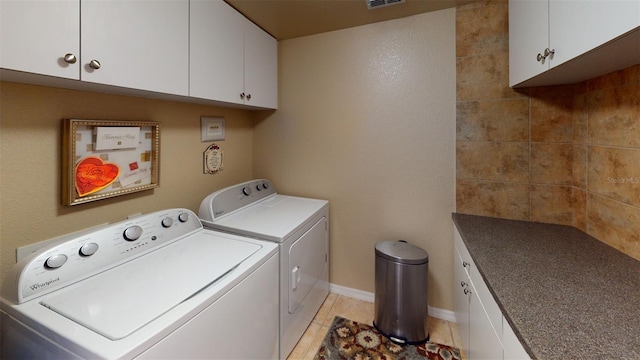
(55, 261)
(246, 190)
(132, 233)
(167, 222)
(88, 249)
(265, 185)
(183, 217)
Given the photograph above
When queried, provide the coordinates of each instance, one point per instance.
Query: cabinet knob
(70, 58)
(248, 96)
(467, 291)
(465, 264)
(463, 284)
(242, 96)
(548, 52)
(94, 64)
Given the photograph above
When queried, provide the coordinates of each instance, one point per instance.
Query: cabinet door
(216, 51)
(528, 37)
(139, 44)
(484, 343)
(461, 287)
(260, 67)
(576, 27)
(36, 35)
(513, 349)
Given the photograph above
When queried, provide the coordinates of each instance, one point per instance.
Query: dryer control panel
(235, 197)
(80, 255)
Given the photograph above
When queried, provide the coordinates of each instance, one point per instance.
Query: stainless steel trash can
(401, 304)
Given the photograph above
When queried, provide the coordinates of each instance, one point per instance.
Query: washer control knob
(167, 222)
(132, 233)
(246, 190)
(183, 217)
(55, 261)
(88, 249)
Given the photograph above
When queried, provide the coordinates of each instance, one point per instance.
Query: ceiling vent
(374, 4)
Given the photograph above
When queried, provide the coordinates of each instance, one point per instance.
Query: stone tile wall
(561, 154)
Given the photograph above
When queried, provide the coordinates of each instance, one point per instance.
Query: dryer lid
(274, 218)
(124, 299)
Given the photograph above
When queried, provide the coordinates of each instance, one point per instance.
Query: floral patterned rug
(348, 340)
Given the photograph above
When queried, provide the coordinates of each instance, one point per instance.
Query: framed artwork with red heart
(108, 158)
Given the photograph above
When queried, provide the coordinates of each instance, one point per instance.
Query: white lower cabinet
(461, 299)
(483, 330)
(484, 343)
(513, 349)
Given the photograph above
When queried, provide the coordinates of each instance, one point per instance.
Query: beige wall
(366, 120)
(30, 160)
(560, 154)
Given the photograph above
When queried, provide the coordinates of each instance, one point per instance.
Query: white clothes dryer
(300, 227)
(158, 286)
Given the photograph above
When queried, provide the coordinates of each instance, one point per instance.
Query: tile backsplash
(565, 154)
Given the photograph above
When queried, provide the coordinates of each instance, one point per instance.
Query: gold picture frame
(106, 158)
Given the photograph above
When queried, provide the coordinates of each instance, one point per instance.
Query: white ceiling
(287, 19)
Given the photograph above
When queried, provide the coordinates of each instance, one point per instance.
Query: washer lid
(402, 252)
(119, 301)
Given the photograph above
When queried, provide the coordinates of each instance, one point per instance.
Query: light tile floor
(440, 331)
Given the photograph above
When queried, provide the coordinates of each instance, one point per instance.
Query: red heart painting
(93, 174)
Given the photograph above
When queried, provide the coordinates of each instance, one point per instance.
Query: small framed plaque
(212, 159)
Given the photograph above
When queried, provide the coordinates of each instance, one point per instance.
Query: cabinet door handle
(242, 96)
(463, 284)
(70, 58)
(248, 96)
(94, 64)
(467, 291)
(465, 264)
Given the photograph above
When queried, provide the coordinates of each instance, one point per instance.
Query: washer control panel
(77, 257)
(232, 198)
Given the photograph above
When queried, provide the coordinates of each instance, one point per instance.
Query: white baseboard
(443, 314)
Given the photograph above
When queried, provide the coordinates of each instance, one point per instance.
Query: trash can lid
(402, 252)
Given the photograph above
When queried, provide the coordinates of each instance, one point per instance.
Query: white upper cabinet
(260, 67)
(136, 44)
(35, 37)
(528, 37)
(581, 26)
(231, 59)
(216, 51)
(142, 45)
(202, 49)
(561, 41)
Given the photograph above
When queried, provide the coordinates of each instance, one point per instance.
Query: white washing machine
(300, 227)
(158, 286)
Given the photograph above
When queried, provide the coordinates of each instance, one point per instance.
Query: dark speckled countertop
(565, 294)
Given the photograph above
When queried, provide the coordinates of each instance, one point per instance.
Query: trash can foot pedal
(400, 340)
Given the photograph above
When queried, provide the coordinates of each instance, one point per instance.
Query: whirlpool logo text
(44, 284)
